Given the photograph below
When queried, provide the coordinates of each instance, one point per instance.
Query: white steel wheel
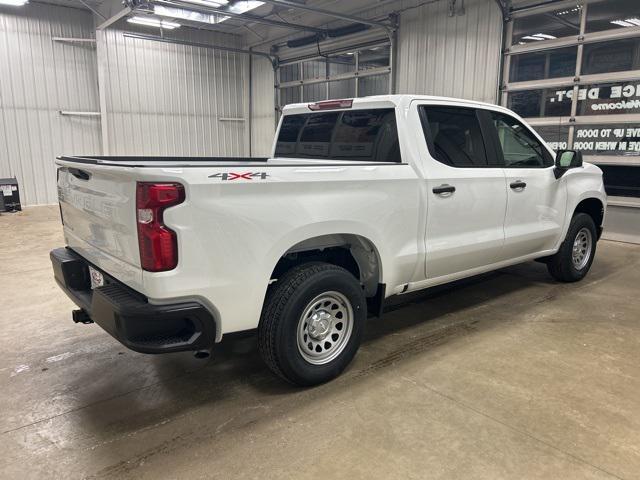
(573, 259)
(582, 245)
(324, 328)
(312, 323)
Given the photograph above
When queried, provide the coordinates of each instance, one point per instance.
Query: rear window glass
(360, 135)
(456, 136)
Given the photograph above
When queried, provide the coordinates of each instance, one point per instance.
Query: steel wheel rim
(582, 246)
(325, 327)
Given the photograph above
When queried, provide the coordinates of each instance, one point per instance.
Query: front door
(466, 193)
(536, 200)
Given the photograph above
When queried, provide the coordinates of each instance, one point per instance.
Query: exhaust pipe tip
(202, 354)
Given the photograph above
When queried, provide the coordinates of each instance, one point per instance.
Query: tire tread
(275, 302)
(560, 265)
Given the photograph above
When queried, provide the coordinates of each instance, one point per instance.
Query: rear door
(536, 200)
(466, 195)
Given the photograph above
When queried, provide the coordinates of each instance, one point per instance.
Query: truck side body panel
(240, 216)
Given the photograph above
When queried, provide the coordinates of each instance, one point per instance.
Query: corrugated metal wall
(263, 115)
(455, 56)
(170, 99)
(39, 77)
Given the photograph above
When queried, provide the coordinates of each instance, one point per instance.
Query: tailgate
(98, 206)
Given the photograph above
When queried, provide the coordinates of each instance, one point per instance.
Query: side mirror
(566, 159)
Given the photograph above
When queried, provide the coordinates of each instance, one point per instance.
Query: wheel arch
(354, 252)
(594, 207)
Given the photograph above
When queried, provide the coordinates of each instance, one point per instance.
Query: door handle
(81, 174)
(518, 185)
(444, 190)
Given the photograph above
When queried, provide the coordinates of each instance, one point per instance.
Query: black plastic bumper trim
(127, 315)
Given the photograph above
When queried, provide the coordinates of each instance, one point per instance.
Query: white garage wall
(39, 77)
(263, 115)
(171, 99)
(455, 56)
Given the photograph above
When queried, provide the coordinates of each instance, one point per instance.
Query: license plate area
(96, 277)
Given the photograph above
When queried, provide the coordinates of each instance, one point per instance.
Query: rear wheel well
(340, 256)
(353, 253)
(592, 207)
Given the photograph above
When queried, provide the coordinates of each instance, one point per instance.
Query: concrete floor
(513, 376)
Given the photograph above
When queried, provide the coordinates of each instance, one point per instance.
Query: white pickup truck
(362, 199)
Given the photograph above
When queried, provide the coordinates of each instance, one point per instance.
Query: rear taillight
(158, 243)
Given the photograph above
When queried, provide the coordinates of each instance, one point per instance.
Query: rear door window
(454, 136)
(369, 135)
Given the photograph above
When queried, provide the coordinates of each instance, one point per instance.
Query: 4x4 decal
(237, 176)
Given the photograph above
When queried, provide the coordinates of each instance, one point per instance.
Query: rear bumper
(128, 316)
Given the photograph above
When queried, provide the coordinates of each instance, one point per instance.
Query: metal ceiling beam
(220, 11)
(176, 41)
(340, 16)
(95, 11)
(114, 18)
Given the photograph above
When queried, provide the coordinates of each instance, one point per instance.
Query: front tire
(575, 256)
(312, 323)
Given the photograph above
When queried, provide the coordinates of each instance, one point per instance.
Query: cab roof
(392, 101)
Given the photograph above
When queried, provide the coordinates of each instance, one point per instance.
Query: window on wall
(314, 69)
(373, 85)
(556, 136)
(289, 95)
(555, 63)
(374, 57)
(614, 14)
(594, 75)
(314, 92)
(540, 103)
(342, 63)
(289, 73)
(611, 56)
(542, 27)
(342, 88)
(351, 73)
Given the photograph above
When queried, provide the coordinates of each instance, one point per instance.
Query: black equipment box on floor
(10, 194)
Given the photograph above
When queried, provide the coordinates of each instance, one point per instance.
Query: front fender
(582, 184)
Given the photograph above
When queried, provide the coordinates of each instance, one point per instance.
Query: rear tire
(312, 323)
(575, 256)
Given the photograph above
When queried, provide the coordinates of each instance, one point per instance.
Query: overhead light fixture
(208, 3)
(242, 7)
(183, 14)
(14, 3)
(153, 22)
(568, 11)
(539, 36)
(627, 22)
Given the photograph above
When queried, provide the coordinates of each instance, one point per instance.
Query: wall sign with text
(603, 99)
(608, 140)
